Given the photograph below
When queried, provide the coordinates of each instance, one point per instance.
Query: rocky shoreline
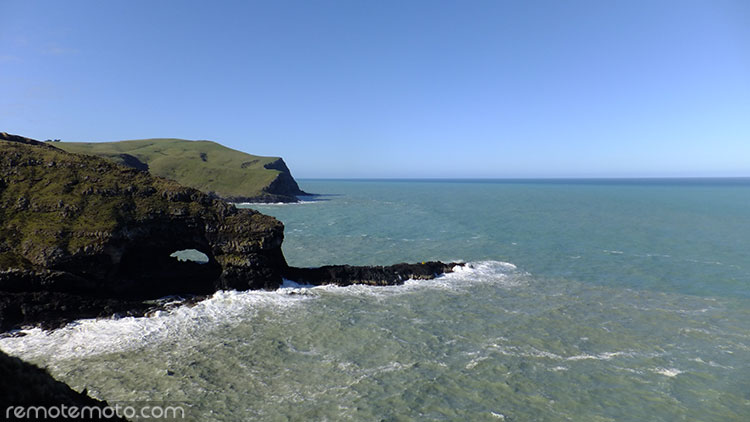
(83, 237)
(51, 310)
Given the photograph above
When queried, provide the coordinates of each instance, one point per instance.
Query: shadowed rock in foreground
(24, 384)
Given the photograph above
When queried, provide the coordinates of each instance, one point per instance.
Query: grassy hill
(204, 165)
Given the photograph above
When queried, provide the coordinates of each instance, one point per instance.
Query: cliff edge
(84, 237)
(204, 165)
(82, 231)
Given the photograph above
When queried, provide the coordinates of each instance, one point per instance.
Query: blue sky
(395, 88)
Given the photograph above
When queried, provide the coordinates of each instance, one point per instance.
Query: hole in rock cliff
(192, 255)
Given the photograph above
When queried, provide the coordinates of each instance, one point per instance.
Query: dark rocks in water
(262, 198)
(24, 384)
(345, 275)
(50, 310)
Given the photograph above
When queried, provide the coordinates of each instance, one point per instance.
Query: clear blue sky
(395, 88)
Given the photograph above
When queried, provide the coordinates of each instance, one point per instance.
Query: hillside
(204, 165)
(80, 234)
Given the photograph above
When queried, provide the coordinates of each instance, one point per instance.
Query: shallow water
(622, 302)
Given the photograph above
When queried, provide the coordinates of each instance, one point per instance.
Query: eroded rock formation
(345, 275)
(82, 237)
(86, 227)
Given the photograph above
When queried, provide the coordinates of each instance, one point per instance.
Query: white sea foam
(611, 252)
(667, 372)
(263, 204)
(475, 362)
(100, 336)
(600, 356)
(462, 278)
(711, 363)
(532, 352)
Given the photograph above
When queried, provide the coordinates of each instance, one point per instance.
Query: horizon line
(533, 178)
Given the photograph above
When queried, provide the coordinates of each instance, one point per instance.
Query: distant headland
(210, 167)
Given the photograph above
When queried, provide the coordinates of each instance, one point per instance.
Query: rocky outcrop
(23, 384)
(284, 184)
(283, 188)
(50, 310)
(83, 237)
(82, 230)
(345, 275)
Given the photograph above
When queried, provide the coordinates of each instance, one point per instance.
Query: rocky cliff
(205, 165)
(82, 226)
(24, 384)
(82, 237)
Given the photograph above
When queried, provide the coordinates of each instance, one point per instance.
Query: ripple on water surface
(487, 342)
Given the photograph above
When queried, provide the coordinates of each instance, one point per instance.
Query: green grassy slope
(64, 202)
(203, 165)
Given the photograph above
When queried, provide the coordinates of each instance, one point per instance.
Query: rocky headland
(229, 174)
(85, 237)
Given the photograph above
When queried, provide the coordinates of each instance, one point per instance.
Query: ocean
(582, 300)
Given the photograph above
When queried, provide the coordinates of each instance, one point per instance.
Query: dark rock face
(50, 310)
(24, 384)
(282, 189)
(284, 183)
(131, 161)
(82, 237)
(345, 275)
(92, 230)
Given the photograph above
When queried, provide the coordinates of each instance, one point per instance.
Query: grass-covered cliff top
(55, 204)
(52, 199)
(204, 165)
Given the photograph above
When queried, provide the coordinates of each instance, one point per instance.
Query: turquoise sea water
(582, 301)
